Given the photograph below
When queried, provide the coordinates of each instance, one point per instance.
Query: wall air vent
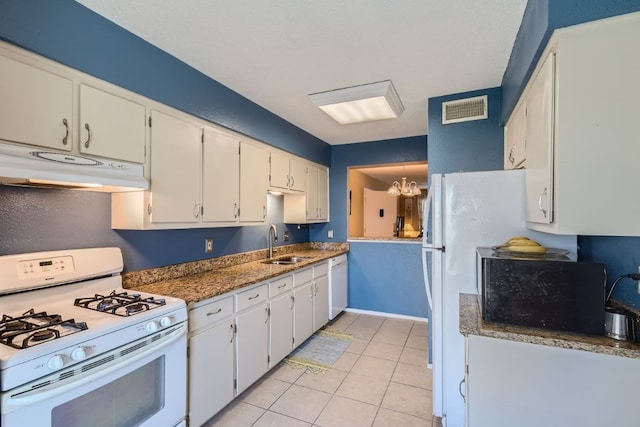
(464, 110)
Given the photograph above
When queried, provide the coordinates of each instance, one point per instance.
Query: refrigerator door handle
(426, 211)
(425, 272)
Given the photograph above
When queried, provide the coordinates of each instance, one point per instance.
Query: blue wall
(383, 277)
(34, 220)
(467, 146)
(621, 255)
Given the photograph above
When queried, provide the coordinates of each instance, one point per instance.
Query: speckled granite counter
(471, 323)
(200, 280)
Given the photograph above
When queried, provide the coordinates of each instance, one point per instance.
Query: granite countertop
(201, 280)
(471, 323)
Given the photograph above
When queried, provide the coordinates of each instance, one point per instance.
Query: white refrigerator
(464, 211)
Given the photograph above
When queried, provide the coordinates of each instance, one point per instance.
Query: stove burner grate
(33, 328)
(120, 303)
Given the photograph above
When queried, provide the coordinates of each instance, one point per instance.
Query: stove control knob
(166, 321)
(79, 354)
(56, 362)
(151, 326)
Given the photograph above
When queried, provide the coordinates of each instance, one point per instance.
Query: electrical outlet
(330, 234)
(285, 236)
(208, 246)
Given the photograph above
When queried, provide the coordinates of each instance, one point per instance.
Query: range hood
(42, 167)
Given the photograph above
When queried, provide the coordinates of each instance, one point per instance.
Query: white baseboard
(380, 313)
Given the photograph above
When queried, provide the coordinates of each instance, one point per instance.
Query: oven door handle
(43, 393)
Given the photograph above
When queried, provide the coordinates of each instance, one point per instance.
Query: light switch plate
(330, 234)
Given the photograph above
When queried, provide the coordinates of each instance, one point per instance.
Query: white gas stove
(66, 321)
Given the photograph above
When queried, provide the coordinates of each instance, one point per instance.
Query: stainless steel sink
(293, 259)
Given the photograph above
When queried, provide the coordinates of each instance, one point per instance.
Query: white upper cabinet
(48, 105)
(286, 173)
(515, 142)
(313, 205)
(176, 169)
(220, 177)
(582, 131)
(111, 126)
(36, 106)
(254, 169)
(539, 134)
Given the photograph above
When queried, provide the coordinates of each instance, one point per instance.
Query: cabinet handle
(88, 141)
(196, 210)
(66, 127)
(544, 193)
(264, 211)
(282, 286)
(235, 210)
(211, 313)
(288, 181)
(233, 331)
(511, 158)
(267, 313)
(254, 297)
(315, 287)
(464, 380)
(292, 182)
(293, 301)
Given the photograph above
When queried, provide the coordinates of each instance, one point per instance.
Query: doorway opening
(374, 214)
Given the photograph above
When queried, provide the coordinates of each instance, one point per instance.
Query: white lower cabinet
(281, 314)
(236, 338)
(211, 359)
(513, 383)
(252, 336)
(320, 295)
(303, 306)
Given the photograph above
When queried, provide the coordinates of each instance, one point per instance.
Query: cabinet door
(254, 165)
(312, 192)
(35, 107)
(281, 326)
(303, 312)
(175, 169)
(111, 126)
(220, 177)
(539, 136)
(320, 302)
(323, 194)
(297, 171)
(279, 171)
(252, 345)
(210, 371)
(515, 139)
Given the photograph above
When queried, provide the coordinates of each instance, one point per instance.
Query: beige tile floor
(381, 379)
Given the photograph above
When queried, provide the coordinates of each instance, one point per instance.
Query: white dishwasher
(338, 284)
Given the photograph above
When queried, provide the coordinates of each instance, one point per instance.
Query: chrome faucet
(273, 237)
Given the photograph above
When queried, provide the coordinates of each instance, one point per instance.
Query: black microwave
(541, 291)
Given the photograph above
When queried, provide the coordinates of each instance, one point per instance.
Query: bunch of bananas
(523, 244)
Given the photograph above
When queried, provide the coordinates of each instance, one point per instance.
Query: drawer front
(302, 277)
(280, 285)
(320, 269)
(210, 313)
(251, 297)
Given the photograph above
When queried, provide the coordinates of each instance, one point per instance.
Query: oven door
(140, 384)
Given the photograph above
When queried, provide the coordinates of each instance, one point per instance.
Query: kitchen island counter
(202, 280)
(471, 323)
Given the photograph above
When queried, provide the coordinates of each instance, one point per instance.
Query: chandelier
(404, 189)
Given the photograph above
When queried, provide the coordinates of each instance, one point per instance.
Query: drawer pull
(282, 286)
(254, 297)
(211, 313)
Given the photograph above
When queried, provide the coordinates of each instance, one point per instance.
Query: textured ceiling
(277, 52)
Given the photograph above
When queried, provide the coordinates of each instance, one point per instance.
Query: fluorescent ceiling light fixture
(373, 101)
